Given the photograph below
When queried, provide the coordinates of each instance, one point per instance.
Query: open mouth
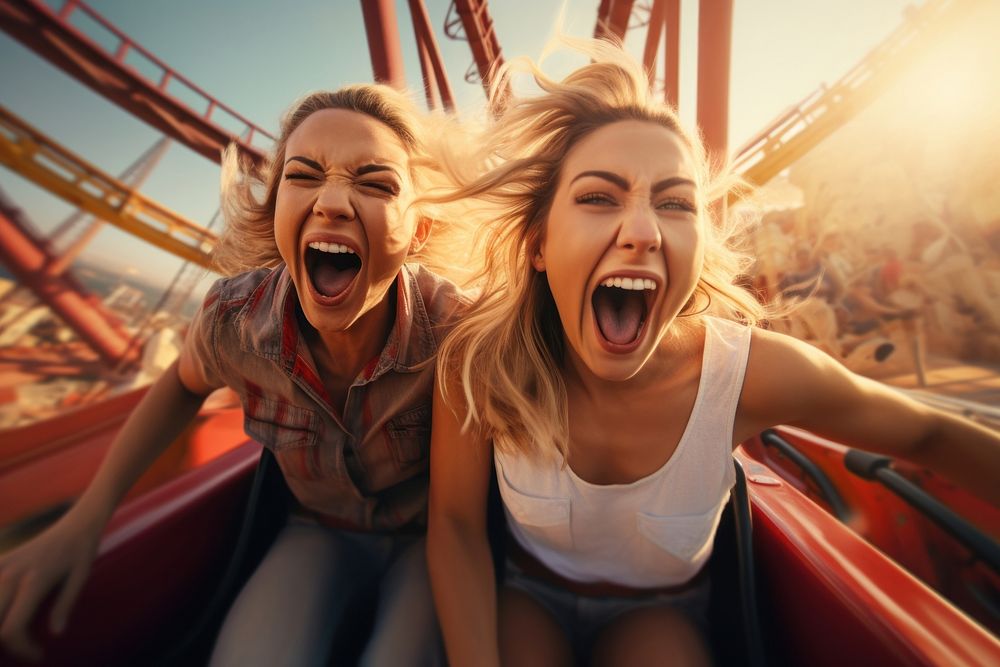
(621, 307)
(332, 267)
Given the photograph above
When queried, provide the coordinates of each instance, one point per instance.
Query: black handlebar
(878, 468)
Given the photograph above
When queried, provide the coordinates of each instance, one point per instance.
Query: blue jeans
(583, 617)
(289, 611)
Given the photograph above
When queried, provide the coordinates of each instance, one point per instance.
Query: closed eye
(301, 176)
(596, 198)
(387, 188)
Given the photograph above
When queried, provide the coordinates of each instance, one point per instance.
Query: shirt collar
(270, 329)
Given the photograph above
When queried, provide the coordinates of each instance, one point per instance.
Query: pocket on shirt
(280, 426)
(410, 436)
(545, 520)
(683, 536)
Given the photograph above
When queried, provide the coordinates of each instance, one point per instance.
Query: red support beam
(26, 259)
(382, 30)
(612, 19)
(105, 71)
(715, 28)
(672, 53)
(665, 15)
(653, 34)
(431, 64)
(478, 26)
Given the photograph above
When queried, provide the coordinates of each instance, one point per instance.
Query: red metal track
(431, 64)
(612, 19)
(715, 30)
(53, 37)
(664, 14)
(478, 26)
(382, 31)
(28, 261)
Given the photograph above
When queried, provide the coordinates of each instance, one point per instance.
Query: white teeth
(637, 284)
(334, 248)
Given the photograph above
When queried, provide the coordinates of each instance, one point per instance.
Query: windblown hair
(507, 353)
(249, 193)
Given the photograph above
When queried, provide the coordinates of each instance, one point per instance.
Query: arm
(60, 557)
(458, 553)
(790, 382)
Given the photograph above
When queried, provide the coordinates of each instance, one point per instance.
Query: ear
(538, 260)
(536, 245)
(421, 233)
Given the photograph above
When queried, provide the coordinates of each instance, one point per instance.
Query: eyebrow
(606, 175)
(306, 161)
(624, 185)
(371, 168)
(360, 171)
(668, 183)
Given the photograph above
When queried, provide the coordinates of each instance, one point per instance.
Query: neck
(341, 355)
(665, 367)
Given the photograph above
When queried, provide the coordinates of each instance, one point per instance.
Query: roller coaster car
(801, 589)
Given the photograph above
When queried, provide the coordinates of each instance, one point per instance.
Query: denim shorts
(582, 617)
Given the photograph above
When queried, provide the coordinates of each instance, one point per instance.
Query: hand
(57, 559)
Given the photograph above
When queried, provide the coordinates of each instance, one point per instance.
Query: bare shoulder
(777, 360)
(788, 379)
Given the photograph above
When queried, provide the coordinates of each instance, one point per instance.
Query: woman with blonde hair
(328, 337)
(607, 370)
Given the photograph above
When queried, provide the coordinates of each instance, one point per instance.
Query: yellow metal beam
(43, 161)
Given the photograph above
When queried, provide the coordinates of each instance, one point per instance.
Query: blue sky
(258, 56)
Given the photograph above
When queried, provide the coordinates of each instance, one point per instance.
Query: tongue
(331, 281)
(619, 314)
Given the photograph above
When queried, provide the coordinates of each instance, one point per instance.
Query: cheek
(284, 227)
(387, 228)
(685, 255)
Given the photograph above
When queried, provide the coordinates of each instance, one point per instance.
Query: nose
(639, 231)
(333, 202)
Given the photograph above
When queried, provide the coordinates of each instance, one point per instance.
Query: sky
(259, 56)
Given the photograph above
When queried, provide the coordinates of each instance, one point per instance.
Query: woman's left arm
(791, 382)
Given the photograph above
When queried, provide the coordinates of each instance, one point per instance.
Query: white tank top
(656, 531)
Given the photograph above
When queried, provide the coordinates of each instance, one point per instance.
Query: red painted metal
(52, 36)
(49, 463)
(612, 19)
(383, 42)
(672, 54)
(431, 64)
(478, 26)
(655, 30)
(896, 528)
(27, 259)
(664, 15)
(603, 10)
(159, 561)
(835, 600)
(715, 28)
(832, 599)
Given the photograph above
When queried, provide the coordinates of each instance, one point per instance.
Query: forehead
(633, 149)
(347, 136)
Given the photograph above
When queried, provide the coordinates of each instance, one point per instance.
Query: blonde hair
(249, 193)
(508, 350)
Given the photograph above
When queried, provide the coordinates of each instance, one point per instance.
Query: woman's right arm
(60, 557)
(458, 552)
